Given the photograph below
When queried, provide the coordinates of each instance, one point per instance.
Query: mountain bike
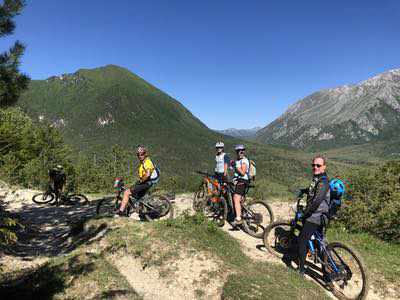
(344, 273)
(209, 199)
(149, 207)
(256, 214)
(50, 194)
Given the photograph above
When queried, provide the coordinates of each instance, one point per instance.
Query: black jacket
(318, 198)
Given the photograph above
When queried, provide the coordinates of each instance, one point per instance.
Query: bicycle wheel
(199, 198)
(43, 198)
(216, 209)
(348, 277)
(279, 240)
(162, 205)
(256, 215)
(77, 199)
(108, 206)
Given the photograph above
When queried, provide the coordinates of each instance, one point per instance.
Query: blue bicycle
(342, 270)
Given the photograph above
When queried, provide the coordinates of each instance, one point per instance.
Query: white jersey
(238, 165)
(219, 163)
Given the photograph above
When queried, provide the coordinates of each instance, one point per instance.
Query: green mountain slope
(373, 152)
(90, 106)
(97, 109)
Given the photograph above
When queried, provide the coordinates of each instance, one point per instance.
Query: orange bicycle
(209, 199)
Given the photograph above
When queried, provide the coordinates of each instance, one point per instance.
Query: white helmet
(240, 147)
(219, 145)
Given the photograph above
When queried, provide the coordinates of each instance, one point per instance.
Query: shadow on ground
(44, 282)
(49, 230)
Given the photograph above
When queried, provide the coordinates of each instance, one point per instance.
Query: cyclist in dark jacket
(57, 180)
(314, 216)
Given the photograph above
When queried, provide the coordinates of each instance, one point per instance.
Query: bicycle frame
(120, 188)
(317, 236)
(321, 245)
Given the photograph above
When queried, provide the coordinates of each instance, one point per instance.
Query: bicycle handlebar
(204, 173)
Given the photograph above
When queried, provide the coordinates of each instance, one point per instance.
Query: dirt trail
(186, 279)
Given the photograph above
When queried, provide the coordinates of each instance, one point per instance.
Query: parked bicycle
(148, 208)
(210, 199)
(345, 274)
(215, 201)
(50, 195)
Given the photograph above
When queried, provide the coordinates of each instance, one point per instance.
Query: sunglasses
(140, 155)
(316, 165)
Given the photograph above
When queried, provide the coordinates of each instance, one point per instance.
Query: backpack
(252, 170)
(337, 189)
(157, 170)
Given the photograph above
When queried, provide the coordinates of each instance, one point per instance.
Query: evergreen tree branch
(8, 11)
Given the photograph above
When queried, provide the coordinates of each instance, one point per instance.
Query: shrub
(375, 205)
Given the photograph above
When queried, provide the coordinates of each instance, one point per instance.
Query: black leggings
(305, 235)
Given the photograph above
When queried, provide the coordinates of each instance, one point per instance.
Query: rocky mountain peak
(350, 114)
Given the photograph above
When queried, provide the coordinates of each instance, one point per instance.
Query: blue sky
(232, 63)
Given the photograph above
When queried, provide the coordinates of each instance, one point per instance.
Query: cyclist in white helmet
(241, 179)
(222, 162)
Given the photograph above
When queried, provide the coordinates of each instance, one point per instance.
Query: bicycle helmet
(59, 167)
(240, 147)
(141, 149)
(337, 187)
(219, 145)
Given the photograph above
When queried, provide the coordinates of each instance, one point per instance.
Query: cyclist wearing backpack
(222, 162)
(317, 208)
(57, 179)
(148, 176)
(241, 179)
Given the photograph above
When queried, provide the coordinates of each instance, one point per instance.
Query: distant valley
(247, 134)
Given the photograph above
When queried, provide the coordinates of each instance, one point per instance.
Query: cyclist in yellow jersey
(148, 175)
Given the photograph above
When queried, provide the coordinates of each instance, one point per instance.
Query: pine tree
(12, 82)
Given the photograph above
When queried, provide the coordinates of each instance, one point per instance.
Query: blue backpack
(337, 189)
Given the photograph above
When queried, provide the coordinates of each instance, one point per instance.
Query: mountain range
(247, 134)
(343, 116)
